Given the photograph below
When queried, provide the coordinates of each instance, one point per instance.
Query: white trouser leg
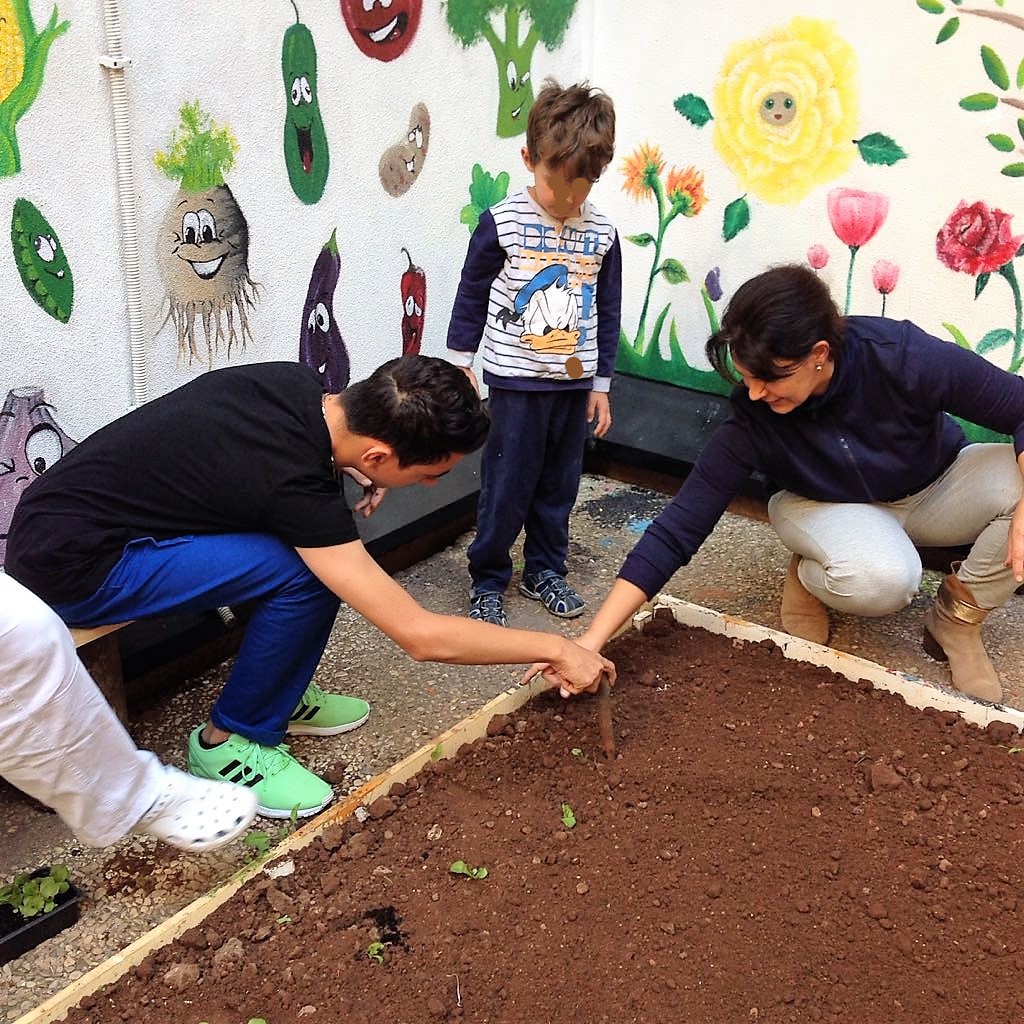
(860, 558)
(856, 558)
(60, 741)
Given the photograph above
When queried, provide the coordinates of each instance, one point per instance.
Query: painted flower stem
(849, 279)
(883, 303)
(709, 308)
(1017, 360)
(663, 222)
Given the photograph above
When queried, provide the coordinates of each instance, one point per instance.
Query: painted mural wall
(302, 175)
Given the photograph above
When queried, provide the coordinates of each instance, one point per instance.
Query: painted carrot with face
(414, 306)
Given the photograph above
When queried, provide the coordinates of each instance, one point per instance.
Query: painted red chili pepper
(414, 306)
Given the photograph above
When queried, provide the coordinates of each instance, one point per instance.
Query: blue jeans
(529, 478)
(291, 622)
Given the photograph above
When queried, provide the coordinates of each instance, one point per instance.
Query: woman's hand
(567, 678)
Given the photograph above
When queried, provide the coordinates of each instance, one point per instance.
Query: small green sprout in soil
(261, 843)
(436, 753)
(284, 919)
(31, 896)
(375, 952)
(576, 752)
(460, 867)
(568, 818)
(1016, 750)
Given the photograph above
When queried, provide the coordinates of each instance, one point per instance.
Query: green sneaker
(327, 714)
(282, 786)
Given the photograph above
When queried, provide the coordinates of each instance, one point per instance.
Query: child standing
(542, 286)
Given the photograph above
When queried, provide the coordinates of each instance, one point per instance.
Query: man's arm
(350, 572)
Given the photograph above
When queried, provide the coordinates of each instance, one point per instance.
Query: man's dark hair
(773, 320)
(423, 407)
(571, 128)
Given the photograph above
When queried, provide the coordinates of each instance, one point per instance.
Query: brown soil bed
(771, 843)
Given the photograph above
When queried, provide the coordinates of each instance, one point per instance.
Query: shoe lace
(553, 584)
(313, 695)
(267, 761)
(489, 603)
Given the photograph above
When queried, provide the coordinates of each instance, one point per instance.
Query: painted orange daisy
(641, 170)
(685, 189)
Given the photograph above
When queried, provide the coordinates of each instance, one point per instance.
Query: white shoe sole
(301, 729)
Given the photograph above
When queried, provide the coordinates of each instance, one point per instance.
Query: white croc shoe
(198, 814)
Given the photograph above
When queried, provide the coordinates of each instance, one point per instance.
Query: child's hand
(468, 371)
(599, 412)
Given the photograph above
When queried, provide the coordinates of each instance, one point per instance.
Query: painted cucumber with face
(41, 262)
(305, 142)
(321, 346)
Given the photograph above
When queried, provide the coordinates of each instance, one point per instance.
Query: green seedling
(29, 896)
(568, 818)
(262, 842)
(576, 752)
(375, 952)
(1016, 750)
(284, 919)
(437, 753)
(460, 867)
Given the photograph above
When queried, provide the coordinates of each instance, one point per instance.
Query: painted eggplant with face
(320, 343)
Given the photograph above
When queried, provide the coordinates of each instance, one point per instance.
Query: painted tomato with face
(382, 29)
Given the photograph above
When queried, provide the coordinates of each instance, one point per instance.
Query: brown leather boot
(952, 632)
(803, 614)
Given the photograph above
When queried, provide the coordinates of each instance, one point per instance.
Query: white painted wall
(227, 55)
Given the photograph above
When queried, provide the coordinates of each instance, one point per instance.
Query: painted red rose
(976, 240)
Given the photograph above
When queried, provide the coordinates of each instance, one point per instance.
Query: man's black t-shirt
(240, 449)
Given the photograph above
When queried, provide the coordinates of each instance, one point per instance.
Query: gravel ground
(133, 886)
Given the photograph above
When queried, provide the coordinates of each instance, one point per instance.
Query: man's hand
(568, 678)
(372, 494)
(599, 412)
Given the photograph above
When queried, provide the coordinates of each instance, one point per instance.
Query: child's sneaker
(282, 786)
(487, 606)
(558, 597)
(327, 714)
(197, 814)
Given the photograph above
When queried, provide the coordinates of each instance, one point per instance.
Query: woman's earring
(818, 367)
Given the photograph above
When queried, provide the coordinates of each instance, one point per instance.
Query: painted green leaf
(995, 68)
(1014, 170)
(642, 240)
(1020, 75)
(994, 339)
(1001, 142)
(1020, 126)
(979, 284)
(694, 109)
(931, 6)
(948, 30)
(735, 218)
(979, 101)
(958, 335)
(877, 148)
(674, 272)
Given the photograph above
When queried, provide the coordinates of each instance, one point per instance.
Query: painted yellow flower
(786, 109)
(641, 169)
(686, 189)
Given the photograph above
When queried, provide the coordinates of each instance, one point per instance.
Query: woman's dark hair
(425, 408)
(773, 320)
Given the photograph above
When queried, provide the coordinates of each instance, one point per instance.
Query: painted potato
(31, 441)
(305, 141)
(382, 29)
(320, 343)
(202, 256)
(401, 164)
(41, 261)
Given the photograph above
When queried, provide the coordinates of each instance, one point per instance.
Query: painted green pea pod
(306, 155)
(41, 261)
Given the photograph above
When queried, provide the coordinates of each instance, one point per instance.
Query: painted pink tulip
(884, 275)
(976, 239)
(856, 216)
(817, 256)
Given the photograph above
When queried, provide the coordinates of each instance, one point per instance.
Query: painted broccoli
(23, 53)
(472, 20)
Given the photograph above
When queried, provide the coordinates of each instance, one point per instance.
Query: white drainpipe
(117, 65)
